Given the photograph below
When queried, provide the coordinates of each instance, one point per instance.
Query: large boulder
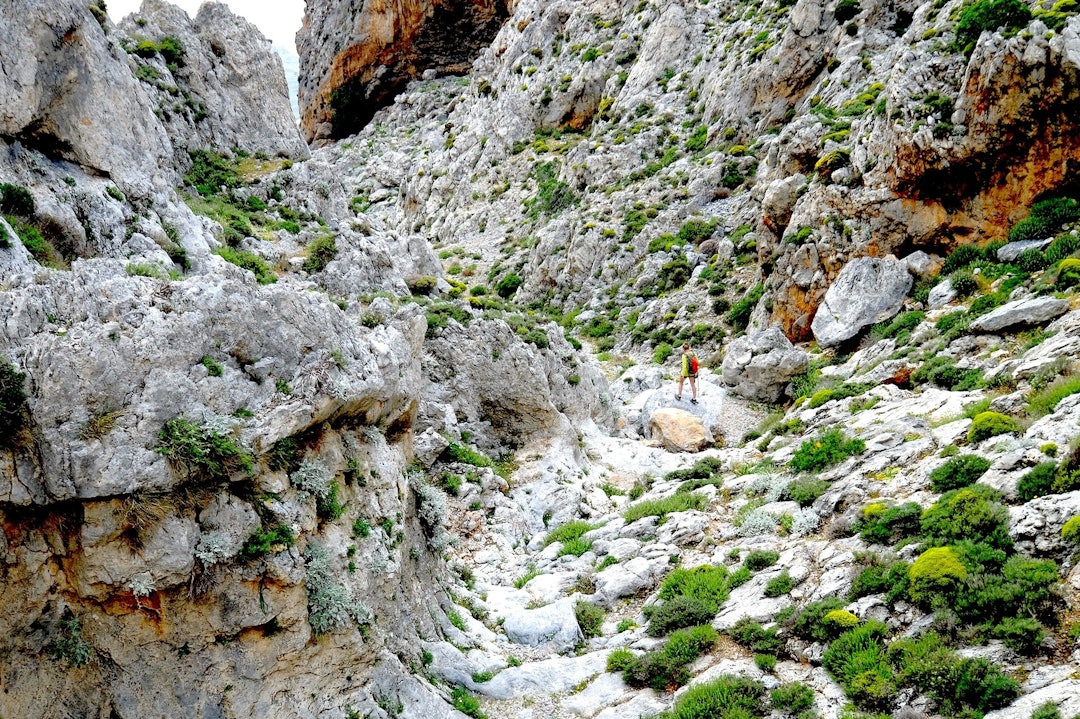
(1034, 311)
(554, 625)
(679, 431)
(759, 366)
(868, 290)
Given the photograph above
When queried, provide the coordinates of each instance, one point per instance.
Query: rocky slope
(292, 435)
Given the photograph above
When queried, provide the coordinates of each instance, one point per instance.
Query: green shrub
(961, 258)
(792, 698)
(662, 352)
(679, 502)
(467, 455)
(943, 372)
(1021, 634)
(881, 576)
(12, 402)
(466, 703)
(1070, 532)
(657, 671)
(676, 613)
(806, 490)
(963, 283)
(248, 261)
(779, 585)
(1048, 710)
(972, 514)
(990, 424)
(707, 583)
(568, 532)
(755, 637)
(960, 471)
(508, 285)
(265, 541)
(686, 645)
(981, 15)
(1062, 247)
(1037, 482)
(881, 524)
(590, 617)
(829, 448)
(1046, 218)
(320, 252)
(70, 646)
(937, 571)
(16, 200)
(759, 559)
(619, 659)
(810, 622)
(739, 315)
(765, 662)
(200, 452)
(726, 697)
(1043, 401)
(856, 659)
(210, 172)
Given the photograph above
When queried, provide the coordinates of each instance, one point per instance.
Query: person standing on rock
(689, 372)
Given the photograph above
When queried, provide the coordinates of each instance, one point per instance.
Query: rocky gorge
(385, 426)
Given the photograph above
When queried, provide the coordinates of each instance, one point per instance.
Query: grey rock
(868, 290)
(549, 676)
(1012, 250)
(1021, 312)
(554, 625)
(759, 366)
(922, 265)
(941, 294)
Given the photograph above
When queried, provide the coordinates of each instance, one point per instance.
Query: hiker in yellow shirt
(689, 371)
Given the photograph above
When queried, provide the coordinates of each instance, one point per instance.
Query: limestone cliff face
(226, 89)
(355, 57)
(66, 90)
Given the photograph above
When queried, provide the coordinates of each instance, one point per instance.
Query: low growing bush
(990, 424)
(881, 524)
(829, 448)
(960, 471)
(936, 572)
(679, 502)
(726, 697)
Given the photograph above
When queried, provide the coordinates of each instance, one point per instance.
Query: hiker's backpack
(693, 364)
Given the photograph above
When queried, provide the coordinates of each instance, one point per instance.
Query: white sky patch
(277, 19)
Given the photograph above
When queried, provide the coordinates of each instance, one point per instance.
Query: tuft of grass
(679, 502)
(1043, 402)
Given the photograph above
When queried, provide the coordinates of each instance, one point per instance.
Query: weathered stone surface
(553, 625)
(355, 58)
(922, 265)
(1035, 311)
(1012, 250)
(679, 431)
(71, 93)
(234, 83)
(759, 366)
(941, 294)
(868, 290)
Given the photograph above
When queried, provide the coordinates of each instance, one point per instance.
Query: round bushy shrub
(792, 698)
(676, 613)
(970, 514)
(508, 285)
(1068, 273)
(960, 258)
(936, 571)
(726, 696)
(1032, 260)
(981, 15)
(759, 559)
(1071, 531)
(960, 471)
(840, 620)
(1037, 482)
(990, 424)
(1021, 634)
(963, 283)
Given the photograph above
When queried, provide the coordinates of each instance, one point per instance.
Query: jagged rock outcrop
(868, 290)
(759, 366)
(225, 88)
(355, 58)
(67, 91)
(1034, 311)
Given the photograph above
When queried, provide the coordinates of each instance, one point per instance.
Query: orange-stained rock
(679, 431)
(355, 57)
